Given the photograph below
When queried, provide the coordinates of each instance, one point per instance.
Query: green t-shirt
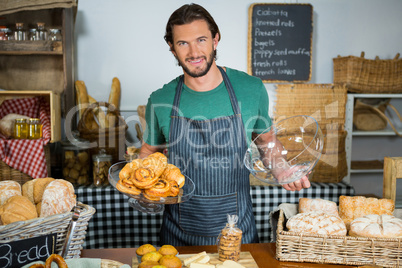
(250, 93)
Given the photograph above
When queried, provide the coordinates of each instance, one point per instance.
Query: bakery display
(353, 207)
(318, 204)
(380, 226)
(317, 223)
(39, 197)
(152, 177)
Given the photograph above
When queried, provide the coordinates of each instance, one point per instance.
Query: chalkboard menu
(280, 42)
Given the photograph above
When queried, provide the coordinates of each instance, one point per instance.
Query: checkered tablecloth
(27, 156)
(117, 225)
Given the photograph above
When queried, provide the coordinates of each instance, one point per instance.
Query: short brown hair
(187, 14)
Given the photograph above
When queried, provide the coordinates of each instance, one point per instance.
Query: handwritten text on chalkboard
(280, 42)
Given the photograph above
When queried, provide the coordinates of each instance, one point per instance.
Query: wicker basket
(345, 250)
(108, 139)
(9, 173)
(52, 224)
(362, 75)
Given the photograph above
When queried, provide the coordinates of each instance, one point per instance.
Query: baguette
(114, 99)
(191, 259)
(81, 96)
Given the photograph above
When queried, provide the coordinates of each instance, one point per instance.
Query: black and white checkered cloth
(117, 225)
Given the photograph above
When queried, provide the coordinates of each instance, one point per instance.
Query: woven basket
(48, 225)
(345, 250)
(331, 168)
(362, 75)
(9, 173)
(107, 138)
(324, 102)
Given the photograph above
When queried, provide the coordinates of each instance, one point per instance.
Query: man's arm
(147, 149)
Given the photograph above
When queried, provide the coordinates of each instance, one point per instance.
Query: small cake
(170, 261)
(144, 249)
(168, 250)
(148, 264)
(151, 256)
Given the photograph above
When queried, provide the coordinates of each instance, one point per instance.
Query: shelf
(359, 171)
(11, 47)
(384, 132)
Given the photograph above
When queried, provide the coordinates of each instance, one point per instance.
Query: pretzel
(59, 260)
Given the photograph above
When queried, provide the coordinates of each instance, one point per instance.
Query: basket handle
(397, 56)
(362, 54)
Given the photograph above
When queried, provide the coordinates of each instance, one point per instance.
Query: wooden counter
(263, 254)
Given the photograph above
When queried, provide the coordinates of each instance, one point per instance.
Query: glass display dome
(285, 152)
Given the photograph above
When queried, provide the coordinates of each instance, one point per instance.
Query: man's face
(194, 47)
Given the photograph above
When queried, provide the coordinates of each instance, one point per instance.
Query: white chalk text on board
(280, 42)
(21, 252)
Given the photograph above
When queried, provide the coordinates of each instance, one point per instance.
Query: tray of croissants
(358, 231)
(151, 179)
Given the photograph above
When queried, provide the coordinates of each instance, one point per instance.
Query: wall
(124, 38)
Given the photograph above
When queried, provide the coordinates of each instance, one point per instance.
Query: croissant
(129, 168)
(172, 172)
(126, 186)
(157, 162)
(143, 178)
(160, 189)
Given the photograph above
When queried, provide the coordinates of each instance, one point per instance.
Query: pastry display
(317, 223)
(318, 204)
(151, 176)
(353, 207)
(381, 226)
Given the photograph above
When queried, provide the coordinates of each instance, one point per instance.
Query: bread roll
(308, 204)
(27, 190)
(17, 208)
(7, 124)
(318, 223)
(34, 189)
(382, 226)
(58, 197)
(8, 189)
(353, 207)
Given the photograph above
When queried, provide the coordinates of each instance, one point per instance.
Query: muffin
(148, 264)
(159, 266)
(151, 256)
(168, 250)
(170, 261)
(144, 249)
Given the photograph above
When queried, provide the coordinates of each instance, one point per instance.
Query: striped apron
(209, 152)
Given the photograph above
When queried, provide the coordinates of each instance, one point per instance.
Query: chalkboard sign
(21, 252)
(280, 42)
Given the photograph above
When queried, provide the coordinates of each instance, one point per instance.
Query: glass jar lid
(102, 156)
(20, 120)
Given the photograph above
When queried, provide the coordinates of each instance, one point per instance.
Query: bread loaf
(82, 96)
(114, 99)
(34, 189)
(318, 223)
(353, 207)
(58, 197)
(7, 124)
(308, 204)
(8, 189)
(17, 208)
(382, 226)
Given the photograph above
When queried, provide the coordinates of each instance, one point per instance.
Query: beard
(198, 72)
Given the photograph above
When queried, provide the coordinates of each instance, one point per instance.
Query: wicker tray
(344, 250)
(362, 75)
(52, 224)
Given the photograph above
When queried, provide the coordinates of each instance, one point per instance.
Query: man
(205, 118)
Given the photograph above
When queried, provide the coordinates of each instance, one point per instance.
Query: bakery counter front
(117, 225)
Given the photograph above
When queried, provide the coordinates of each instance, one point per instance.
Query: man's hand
(298, 185)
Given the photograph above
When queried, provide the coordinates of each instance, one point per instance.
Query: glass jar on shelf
(54, 35)
(34, 128)
(41, 33)
(4, 33)
(20, 33)
(20, 128)
(76, 162)
(32, 34)
(101, 164)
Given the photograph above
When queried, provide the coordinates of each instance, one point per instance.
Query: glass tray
(141, 203)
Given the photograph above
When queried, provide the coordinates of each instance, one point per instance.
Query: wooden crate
(54, 101)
